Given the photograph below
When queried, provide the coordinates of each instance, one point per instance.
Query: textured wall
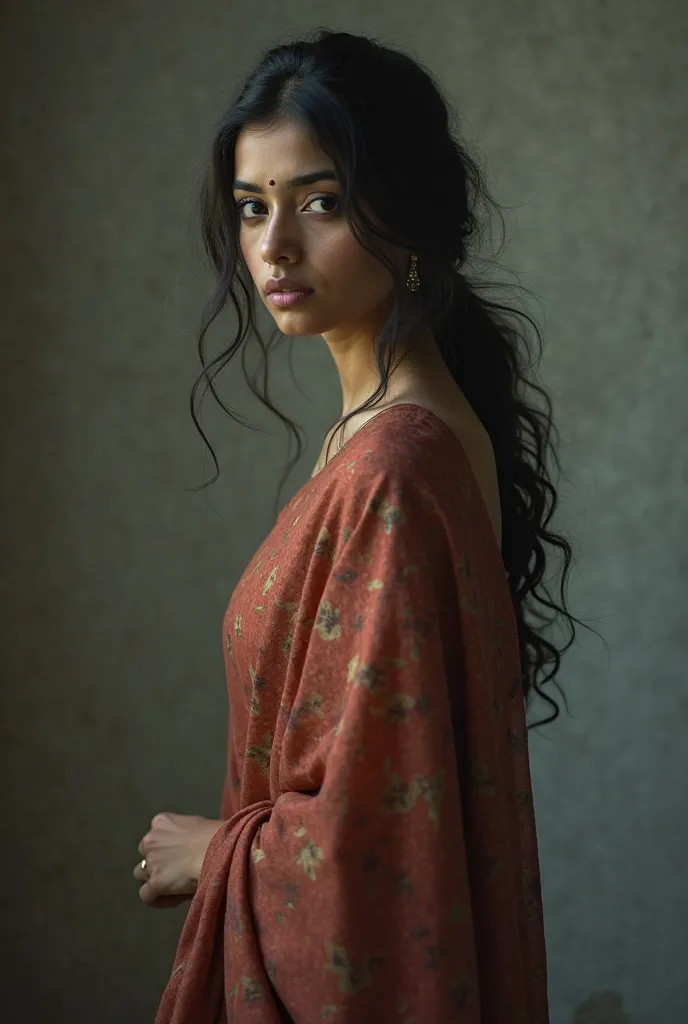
(115, 580)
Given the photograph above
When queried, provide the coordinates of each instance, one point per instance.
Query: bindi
(271, 182)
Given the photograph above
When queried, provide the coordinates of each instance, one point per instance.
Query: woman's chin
(299, 321)
(294, 323)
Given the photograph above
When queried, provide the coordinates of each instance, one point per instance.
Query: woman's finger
(155, 901)
(148, 894)
(141, 874)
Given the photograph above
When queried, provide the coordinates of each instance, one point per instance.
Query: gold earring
(413, 281)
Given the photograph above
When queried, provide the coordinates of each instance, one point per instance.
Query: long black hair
(383, 120)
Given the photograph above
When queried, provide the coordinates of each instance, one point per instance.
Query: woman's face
(299, 231)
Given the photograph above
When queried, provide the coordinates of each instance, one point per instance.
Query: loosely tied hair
(391, 133)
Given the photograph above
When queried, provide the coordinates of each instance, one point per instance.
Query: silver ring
(143, 864)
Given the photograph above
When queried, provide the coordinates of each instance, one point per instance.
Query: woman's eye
(244, 203)
(247, 202)
(325, 199)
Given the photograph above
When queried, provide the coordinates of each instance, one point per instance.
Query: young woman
(375, 859)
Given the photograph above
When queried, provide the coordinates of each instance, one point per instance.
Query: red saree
(378, 862)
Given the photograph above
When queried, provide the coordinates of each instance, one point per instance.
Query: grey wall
(115, 580)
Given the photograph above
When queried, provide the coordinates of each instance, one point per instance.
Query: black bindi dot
(271, 181)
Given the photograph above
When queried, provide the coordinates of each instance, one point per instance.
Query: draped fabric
(378, 858)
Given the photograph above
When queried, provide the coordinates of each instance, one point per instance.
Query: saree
(378, 858)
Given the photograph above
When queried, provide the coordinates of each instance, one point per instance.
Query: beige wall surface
(115, 579)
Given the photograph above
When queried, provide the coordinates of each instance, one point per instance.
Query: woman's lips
(285, 299)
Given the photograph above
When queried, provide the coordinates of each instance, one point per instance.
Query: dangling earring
(413, 281)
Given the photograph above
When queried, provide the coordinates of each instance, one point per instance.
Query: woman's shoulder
(433, 448)
(398, 466)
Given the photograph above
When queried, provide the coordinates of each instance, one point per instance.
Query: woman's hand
(174, 850)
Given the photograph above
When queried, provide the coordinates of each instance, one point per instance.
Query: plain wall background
(115, 579)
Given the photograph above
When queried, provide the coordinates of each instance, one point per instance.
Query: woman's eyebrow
(300, 179)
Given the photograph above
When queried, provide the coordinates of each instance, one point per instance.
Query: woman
(375, 858)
